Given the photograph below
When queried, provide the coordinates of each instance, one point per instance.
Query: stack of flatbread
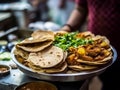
(50, 60)
(37, 42)
(38, 53)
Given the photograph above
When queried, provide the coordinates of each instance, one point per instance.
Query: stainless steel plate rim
(60, 75)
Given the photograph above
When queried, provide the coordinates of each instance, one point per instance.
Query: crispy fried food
(86, 34)
(82, 67)
(60, 33)
(96, 54)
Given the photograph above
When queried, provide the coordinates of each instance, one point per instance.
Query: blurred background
(34, 14)
(19, 18)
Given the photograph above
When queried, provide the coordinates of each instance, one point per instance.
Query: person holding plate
(103, 18)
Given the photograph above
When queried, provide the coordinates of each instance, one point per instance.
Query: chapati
(47, 58)
(35, 47)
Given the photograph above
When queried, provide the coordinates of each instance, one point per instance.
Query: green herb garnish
(70, 40)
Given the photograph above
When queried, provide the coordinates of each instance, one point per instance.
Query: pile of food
(49, 52)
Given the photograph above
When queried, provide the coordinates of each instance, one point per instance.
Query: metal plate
(63, 77)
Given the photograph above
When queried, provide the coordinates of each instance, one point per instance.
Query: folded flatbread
(62, 67)
(41, 34)
(37, 42)
(99, 62)
(34, 47)
(82, 67)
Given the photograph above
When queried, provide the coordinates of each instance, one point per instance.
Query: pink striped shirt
(104, 18)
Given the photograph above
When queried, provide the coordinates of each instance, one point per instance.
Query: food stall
(23, 72)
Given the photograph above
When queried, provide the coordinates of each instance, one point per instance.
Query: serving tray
(63, 77)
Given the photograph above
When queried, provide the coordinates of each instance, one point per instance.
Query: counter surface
(16, 77)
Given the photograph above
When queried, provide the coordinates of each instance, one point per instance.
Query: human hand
(34, 3)
(65, 29)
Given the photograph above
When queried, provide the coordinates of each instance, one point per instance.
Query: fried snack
(82, 67)
(96, 63)
(38, 41)
(92, 55)
(86, 34)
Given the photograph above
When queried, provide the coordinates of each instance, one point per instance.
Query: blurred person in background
(60, 10)
(8, 1)
(103, 18)
(40, 10)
